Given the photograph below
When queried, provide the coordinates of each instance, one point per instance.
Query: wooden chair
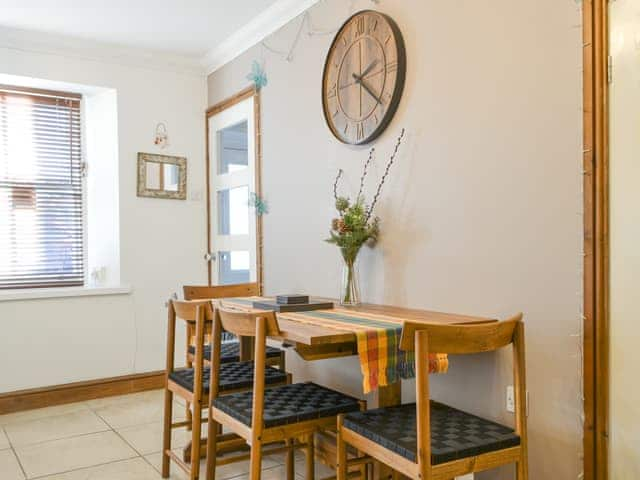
(431, 441)
(231, 351)
(192, 384)
(266, 417)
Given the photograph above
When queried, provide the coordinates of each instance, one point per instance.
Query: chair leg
(255, 467)
(311, 460)
(341, 447)
(196, 427)
(166, 434)
(187, 412)
(521, 471)
(290, 460)
(212, 444)
(281, 362)
(189, 416)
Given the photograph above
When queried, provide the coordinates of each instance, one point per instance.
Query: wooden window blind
(41, 189)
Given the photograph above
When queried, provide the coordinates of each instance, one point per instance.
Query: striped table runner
(378, 336)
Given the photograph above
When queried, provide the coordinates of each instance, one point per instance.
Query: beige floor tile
(321, 470)
(9, 467)
(136, 469)
(150, 395)
(38, 413)
(54, 428)
(147, 439)
(135, 409)
(224, 472)
(74, 453)
(4, 441)
(272, 473)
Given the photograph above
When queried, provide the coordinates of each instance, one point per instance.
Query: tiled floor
(116, 438)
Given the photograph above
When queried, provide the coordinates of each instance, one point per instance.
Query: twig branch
(364, 172)
(335, 184)
(384, 177)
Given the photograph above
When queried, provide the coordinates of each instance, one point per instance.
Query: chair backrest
(259, 325)
(461, 339)
(244, 324)
(188, 310)
(196, 292)
(196, 312)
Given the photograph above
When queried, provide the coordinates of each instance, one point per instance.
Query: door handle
(210, 257)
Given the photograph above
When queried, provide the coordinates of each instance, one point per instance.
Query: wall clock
(363, 77)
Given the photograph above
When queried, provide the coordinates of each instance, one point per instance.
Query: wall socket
(511, 401)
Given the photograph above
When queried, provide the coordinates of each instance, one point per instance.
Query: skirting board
(79, 391)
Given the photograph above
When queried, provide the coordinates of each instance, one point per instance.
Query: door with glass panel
(233, 226)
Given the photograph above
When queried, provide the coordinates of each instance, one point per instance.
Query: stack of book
(292, 303)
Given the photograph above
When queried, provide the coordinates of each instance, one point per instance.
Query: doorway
(624, 233)
(612, 265)
(233, 187)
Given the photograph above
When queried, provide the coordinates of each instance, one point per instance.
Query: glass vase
(350, 285)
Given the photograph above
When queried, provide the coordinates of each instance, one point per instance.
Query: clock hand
(366, 87)
(369, 68)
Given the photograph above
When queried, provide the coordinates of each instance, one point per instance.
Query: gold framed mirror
(162, 176)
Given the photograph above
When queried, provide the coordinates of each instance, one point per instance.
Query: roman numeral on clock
(360, 26)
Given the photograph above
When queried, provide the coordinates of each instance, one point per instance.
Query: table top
(314, 334)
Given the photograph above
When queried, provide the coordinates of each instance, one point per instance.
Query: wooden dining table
(317, 342)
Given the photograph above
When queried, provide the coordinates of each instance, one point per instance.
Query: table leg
(387, 397)
(246, 348)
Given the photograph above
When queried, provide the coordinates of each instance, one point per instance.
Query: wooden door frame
(241, 96)
(596, 238)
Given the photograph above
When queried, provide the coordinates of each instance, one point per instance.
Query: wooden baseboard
(79, 391)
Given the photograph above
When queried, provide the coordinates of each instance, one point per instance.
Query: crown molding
(263, 25)
(80, 48)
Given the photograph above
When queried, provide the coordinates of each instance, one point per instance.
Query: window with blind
(41, 193)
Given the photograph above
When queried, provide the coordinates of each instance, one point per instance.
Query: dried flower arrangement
(356, 226)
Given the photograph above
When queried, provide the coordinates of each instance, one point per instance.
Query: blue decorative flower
(259, 204)
(257, 75)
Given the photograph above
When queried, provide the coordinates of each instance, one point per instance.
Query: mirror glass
(171, 177)
(153, 175)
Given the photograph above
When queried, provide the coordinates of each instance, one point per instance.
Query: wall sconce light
(162, 137)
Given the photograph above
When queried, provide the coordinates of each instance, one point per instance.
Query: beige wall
(481, 213)
(65, 340)
(625, 238)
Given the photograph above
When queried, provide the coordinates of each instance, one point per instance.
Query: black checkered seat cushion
(289, 404)
(230, 352)
(454, 434)
(233, 376)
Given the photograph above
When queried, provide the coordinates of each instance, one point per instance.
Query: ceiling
(189, 28)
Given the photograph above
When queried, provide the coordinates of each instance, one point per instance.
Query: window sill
(40, 293)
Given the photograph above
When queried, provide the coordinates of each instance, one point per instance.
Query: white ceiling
(183, 27)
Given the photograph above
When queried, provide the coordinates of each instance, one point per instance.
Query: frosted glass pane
(233, 149)
(233, 211)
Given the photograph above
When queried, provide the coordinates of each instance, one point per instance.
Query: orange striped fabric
(378, 337)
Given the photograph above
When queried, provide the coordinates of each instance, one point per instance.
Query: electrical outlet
(511, 400)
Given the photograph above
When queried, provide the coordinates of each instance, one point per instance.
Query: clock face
(363, 77)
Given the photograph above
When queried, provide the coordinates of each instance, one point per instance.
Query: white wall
(482, 211)
(625, 238)
(49, 342)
